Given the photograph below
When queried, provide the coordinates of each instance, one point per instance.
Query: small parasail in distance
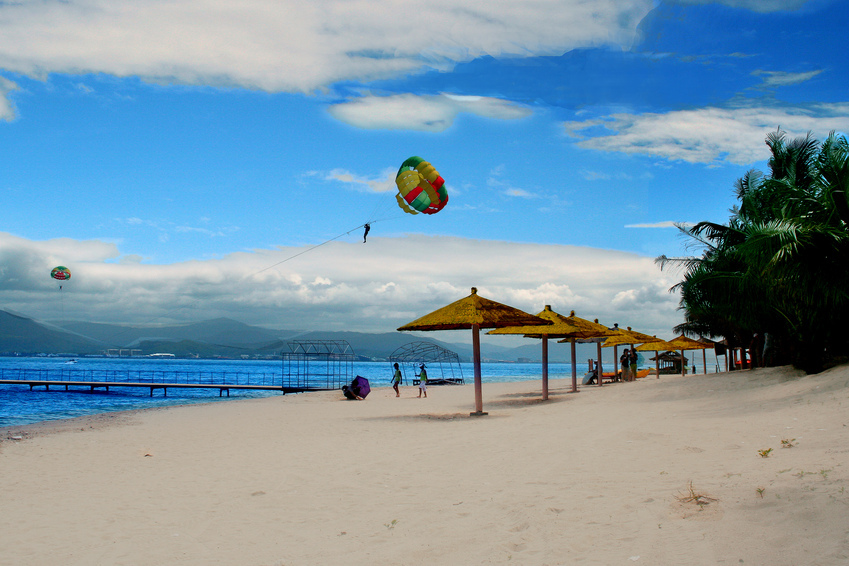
(61, 273)
(420, 188)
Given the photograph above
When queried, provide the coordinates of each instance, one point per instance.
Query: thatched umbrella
(587, 331)
(474, 312)
(559, 328)
(657, 347)
(628, 336)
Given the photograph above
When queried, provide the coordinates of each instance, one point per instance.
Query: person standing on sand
(422, 381)
(635, 357)
(625, 362)
(396, 380)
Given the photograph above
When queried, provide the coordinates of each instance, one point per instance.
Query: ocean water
(19, 405)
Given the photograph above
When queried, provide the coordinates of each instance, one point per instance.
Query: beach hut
(684, 343)
(671, 362)
(474, 312)
(657, 347)
(559, 328)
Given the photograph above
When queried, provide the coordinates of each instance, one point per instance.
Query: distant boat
(162, 355)
(71, 362)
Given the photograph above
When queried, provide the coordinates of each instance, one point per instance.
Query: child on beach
(422, 381)
(396, 380)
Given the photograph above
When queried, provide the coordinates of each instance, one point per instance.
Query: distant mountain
(224, 337)
(23, 335)
(222, 331)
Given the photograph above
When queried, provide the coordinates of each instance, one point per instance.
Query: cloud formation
(7, 112)
(342, 286)
(425, 113)
(711, 134)
(292, 45)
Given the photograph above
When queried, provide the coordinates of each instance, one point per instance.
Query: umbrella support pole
(574, 367)
(545, 368)
(476, 352)
(598, 365)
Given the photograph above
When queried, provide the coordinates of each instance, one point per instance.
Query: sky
(191, 159)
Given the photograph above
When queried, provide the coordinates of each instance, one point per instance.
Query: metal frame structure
(443, 364)
(318, 364)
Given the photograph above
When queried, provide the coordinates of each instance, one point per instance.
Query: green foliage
(780, 265)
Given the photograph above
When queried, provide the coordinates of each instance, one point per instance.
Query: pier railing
(161, 379)
(143, 376)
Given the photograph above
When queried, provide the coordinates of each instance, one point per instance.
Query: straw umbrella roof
(684, 343)
(586, 329)
(474, 310)
(658, 346)
(560, 327)
(628, 336)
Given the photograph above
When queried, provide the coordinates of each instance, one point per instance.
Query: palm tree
(779, 266)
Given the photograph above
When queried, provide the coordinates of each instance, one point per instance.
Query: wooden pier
(154, 380)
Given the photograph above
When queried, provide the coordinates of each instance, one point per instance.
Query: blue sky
(177, 155)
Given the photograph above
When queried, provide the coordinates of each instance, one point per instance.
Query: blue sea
(19, 405)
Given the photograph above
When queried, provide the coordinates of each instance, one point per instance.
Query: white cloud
(780, 78)
(351, 286)
(294, 45)
(710, 135)
(384, 182)
(426, 113)
(7, 111)
(665, 224)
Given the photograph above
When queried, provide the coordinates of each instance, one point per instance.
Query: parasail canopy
(420, 187)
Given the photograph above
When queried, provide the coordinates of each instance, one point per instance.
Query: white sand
(588, 478)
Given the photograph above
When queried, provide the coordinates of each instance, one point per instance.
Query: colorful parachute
(61, 273)
(420, 188)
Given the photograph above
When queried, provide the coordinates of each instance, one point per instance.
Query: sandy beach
(655, 472)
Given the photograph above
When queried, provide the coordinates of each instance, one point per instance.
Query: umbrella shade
(360, 386)
(628, 336)
(658, 346)
(685, 343)
(474, 312)
(559, 328)
(587, 330)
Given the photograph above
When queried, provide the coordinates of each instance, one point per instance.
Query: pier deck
(153, 380)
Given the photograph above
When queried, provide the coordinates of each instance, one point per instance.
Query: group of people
(422, 375)
(628, 362)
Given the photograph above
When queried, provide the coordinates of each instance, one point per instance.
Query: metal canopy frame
(443, 364)
(318, 364)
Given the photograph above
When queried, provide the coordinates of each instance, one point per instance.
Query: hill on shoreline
(224, 337)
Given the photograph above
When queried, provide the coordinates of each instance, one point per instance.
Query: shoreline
(599, 477)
